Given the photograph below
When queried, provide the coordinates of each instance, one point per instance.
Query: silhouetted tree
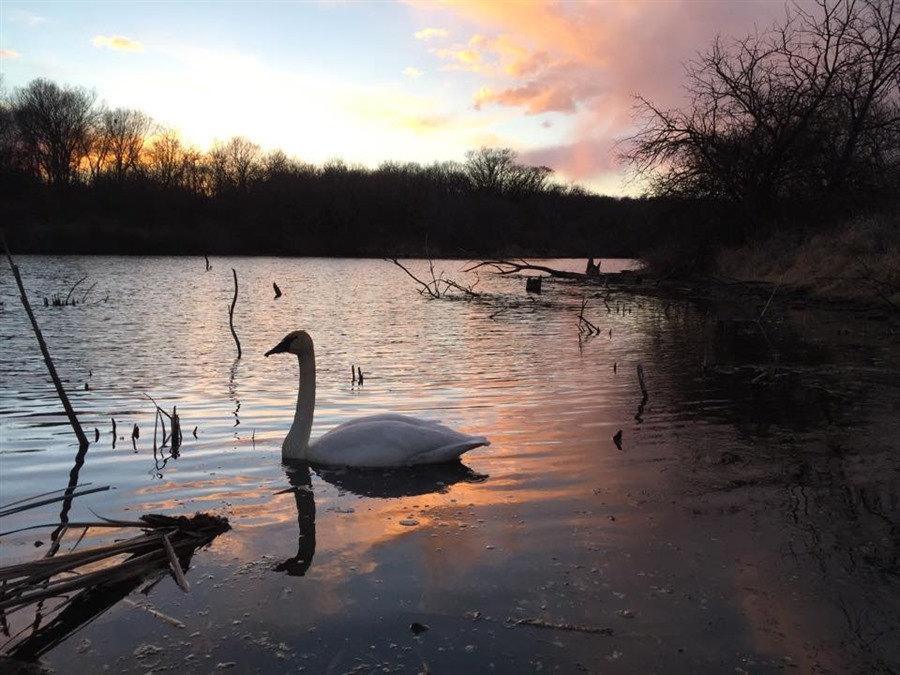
(54, 124)
(118, 140)
(171, 164)
(807, 112)
(234, 165)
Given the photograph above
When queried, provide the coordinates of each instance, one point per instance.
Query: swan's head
(298, 342)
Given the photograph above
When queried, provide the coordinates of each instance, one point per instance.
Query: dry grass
(858, 261)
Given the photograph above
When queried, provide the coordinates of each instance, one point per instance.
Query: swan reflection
(377, 483)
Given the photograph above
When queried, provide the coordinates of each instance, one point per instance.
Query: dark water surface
(749, 522)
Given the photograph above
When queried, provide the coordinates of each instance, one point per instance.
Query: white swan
(374, 441)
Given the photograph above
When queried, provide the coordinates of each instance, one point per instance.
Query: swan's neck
(296, 443)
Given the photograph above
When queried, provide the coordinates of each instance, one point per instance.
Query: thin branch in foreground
(70, 411)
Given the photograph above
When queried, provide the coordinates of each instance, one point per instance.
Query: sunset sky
(374, 81)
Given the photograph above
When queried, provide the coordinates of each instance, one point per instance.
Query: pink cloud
(587, 60)
(9, 54)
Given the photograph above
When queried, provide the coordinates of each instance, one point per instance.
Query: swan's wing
(392, 417)
(391, 440)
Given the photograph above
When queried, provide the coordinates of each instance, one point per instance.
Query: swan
(374, 441)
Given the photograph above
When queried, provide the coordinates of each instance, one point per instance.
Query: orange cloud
(8, 54)
(118, 42)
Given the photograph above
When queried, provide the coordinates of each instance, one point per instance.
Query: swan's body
(373, 441)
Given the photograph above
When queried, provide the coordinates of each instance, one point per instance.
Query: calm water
(742, 526)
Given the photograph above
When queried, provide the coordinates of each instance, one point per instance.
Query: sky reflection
(681, 541)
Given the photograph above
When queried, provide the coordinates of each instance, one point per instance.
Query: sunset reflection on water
(661, 541)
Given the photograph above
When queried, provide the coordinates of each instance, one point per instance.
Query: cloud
(118, 42)
(584, 61)
(462, 57)
(9, 54)
(430, 33)
(412, 72)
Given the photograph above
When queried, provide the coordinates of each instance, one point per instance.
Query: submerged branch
(439, 286)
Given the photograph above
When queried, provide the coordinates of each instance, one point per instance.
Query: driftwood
(504, 267)
(87, 582)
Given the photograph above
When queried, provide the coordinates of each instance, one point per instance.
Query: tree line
(793, 128)
(79, 177)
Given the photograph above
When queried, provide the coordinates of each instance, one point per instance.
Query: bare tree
(234, 164)
(490, 169)
(54, 123)
(173, 164)
(119, 140)
(12, 156)
(495, 170)
(807, 109)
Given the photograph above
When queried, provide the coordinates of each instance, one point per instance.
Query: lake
(748, 522)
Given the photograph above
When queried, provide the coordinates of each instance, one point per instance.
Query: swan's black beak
(281, 347)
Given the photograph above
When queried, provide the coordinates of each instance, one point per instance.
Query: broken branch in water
(585, 326)
(70, 411)
(231, 313)
(72, 290)
(504, 267)
(439, 286)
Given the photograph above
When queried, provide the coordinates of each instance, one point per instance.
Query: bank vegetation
(783, 163)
